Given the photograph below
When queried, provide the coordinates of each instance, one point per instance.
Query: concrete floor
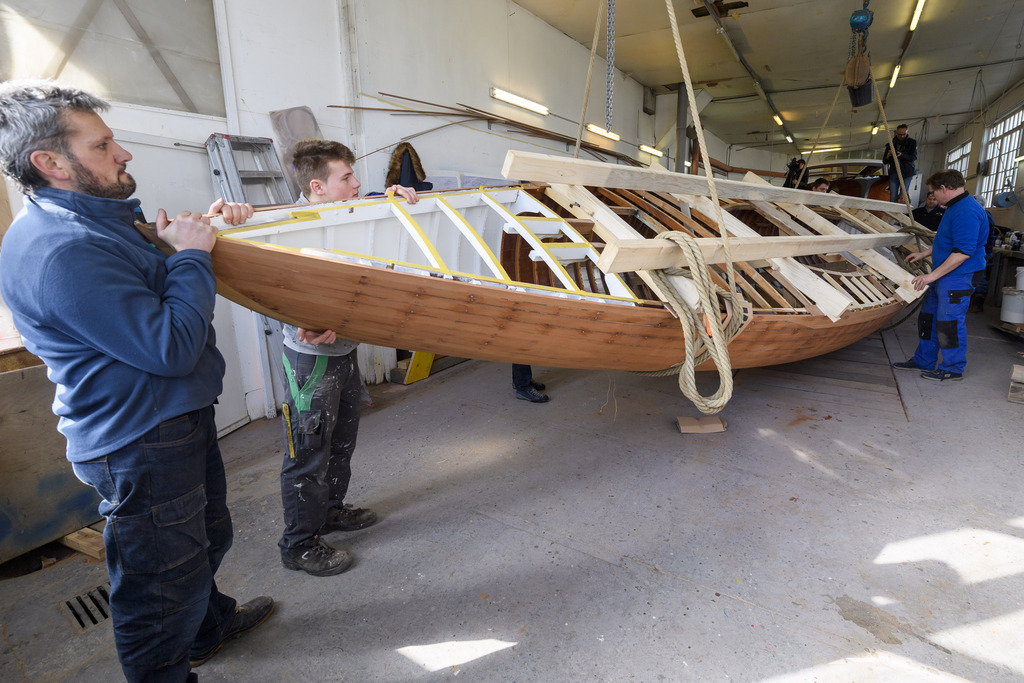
(849, 526)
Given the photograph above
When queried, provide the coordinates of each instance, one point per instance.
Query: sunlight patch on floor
(977, 555)
(999, 640)
(443, 655)
(877, 667)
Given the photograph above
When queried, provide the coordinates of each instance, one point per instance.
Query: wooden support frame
(622, 256)
(829, 300)
(871, 258)
(546, 168)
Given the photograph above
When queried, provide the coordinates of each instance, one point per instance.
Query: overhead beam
(623, 256)
(546, 168)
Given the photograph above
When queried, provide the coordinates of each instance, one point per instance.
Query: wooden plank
(623, 256)
(87, 541)
(1017, 374)
(701, 425)
(831, 301)
(553, 169)
(873, 259)
(779, 219)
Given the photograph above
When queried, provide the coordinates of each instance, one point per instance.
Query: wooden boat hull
(424, 313)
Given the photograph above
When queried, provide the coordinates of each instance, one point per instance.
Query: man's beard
(86, 182)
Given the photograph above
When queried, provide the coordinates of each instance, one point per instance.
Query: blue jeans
(168, 528)
(522, 375)
(941, 324)
(894, 185)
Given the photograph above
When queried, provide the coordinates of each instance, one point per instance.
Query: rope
(590, 72)
(892, 148)
(609, 97)
(703, 327)
(821, 130)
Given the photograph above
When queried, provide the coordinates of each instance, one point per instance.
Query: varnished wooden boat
(511, 274)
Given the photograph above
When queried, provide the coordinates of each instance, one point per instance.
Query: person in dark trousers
(324, 388)
(127, 336)
(906, 155)
(526, 388)
(930, 214)
(957, 252)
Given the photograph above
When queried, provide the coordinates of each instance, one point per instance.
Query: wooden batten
(623, 256)
(546, 168)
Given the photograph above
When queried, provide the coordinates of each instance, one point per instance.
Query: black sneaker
(942, 375)
(532, 395)
(348, 518)
(908, 365)
(317, 560)
(537, 385)
(247, 617)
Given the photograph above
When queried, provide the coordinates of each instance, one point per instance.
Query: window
(159, 54)
(957, 158)
(1003, 147)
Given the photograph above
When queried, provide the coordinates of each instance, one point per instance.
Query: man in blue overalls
(958, 252)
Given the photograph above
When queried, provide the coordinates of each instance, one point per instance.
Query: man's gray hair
(32, 118)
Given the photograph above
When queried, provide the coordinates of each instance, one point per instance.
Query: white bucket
(1020, 277)
(1013, 306)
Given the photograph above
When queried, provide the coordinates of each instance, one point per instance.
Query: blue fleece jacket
(963, 229)
(126, 332)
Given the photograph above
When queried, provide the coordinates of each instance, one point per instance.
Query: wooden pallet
(1016, 394)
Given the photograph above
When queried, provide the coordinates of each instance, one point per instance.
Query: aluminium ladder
(246, 169)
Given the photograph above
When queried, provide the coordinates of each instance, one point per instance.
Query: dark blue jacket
(126, 332)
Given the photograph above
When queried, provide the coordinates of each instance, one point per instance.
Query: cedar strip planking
(420, 312)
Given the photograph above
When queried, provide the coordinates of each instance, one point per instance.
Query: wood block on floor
(701, 425)
(88, 541)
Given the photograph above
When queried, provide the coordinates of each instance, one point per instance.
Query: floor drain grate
(89, 609)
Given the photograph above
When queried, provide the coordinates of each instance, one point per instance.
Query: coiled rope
(703, 325)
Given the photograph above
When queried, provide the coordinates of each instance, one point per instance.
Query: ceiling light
(687, 164)
(499, 94)
(789, 139)
(601, 131)
(917, 14)
(895, 74)
(874, 131)
(821, 151)
(651, 150)
(1019, 159)
(778, 119)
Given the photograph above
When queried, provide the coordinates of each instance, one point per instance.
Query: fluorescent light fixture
(652, 151)
(778, 120)
(601, 131)
(504, 96)
(917, 14)
(874, 131)
(789, 138)
(1019, 159)
(687, 164)
(822, 151)
(895, 74)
